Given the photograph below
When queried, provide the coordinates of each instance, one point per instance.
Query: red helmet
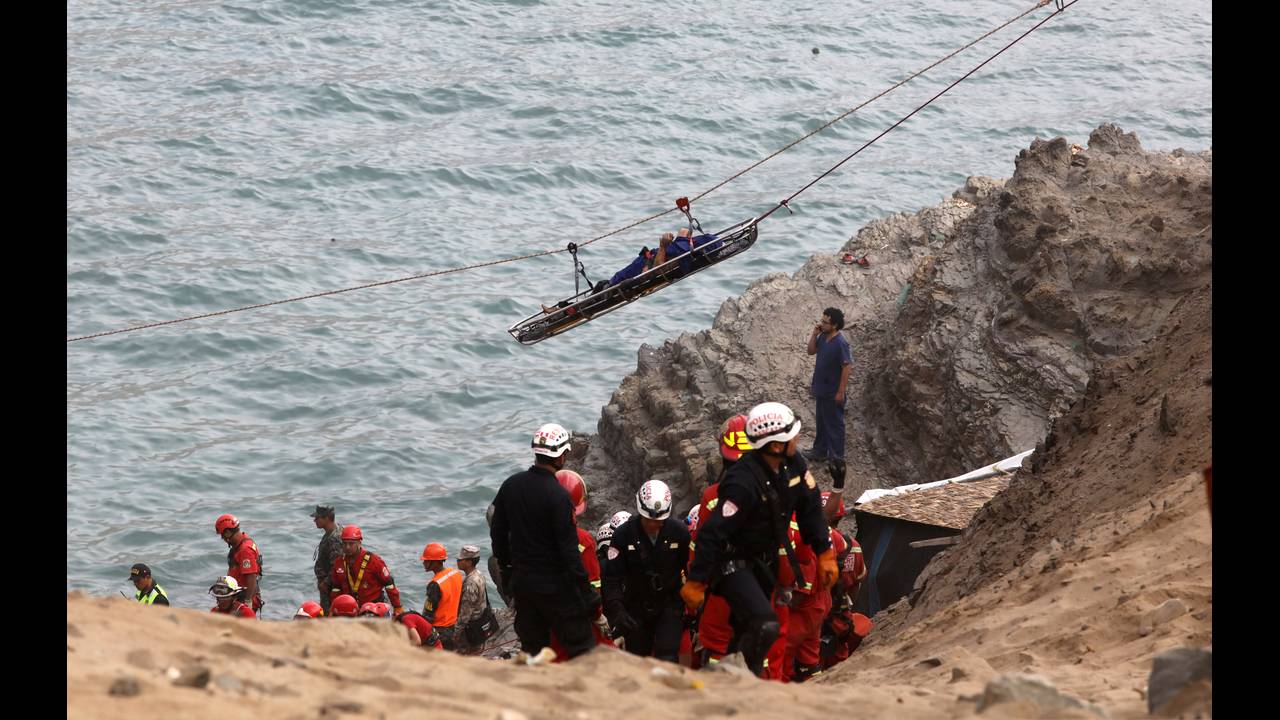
(733, 438)
(343, 606)
(826, 494)
(573, 483)
(309, 609)
(352, 532)
(369, 607)
(434, 551)
(226, 521)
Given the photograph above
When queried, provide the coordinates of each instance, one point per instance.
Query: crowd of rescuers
(758, 566)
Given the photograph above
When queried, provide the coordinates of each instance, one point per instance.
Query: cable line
(1060, 8)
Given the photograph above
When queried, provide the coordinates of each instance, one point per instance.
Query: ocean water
(222, 154)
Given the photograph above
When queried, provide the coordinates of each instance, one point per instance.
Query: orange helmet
(573, 483)
(434, 551)
(343, 606)
(352, 532)
(733, 438)
(226, 521)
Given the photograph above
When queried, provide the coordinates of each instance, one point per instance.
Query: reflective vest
(150, 597)
(449, 581)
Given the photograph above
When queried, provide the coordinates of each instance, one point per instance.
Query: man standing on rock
(327, 552)
(830, 378)
(536, 544)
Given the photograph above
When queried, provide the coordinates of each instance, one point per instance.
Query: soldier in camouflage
(474, 593)
(327, 552)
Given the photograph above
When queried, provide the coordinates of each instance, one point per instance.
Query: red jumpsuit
(848, 627)
(714, 631)
(364, 578)
(243, 560)
(237, 608)
(808, 609)
(590, 563)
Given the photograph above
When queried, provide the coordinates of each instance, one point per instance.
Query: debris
(1182, 674)
(1167, 610)
(1032, 688)
(125, 687)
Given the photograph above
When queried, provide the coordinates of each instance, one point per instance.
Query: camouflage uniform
(471, 605)
(327, 552)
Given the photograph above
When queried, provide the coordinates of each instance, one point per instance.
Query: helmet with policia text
(551, 440)
(224, 522)
(225, 587)
(310, 609)
(352, 532)
(434, 551)
(771, 422)
(343, 606)
(653, 500)
(573, 483)
(618, 518)
(604, 535)
(733, 438)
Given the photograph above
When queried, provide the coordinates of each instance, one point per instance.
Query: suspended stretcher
(588, 305)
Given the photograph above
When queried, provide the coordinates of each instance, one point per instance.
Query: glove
(694, 593)
(590, 599)
(397, 611)
(625, 622)
(828, 573)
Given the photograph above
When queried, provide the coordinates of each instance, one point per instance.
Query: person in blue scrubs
(830, 379)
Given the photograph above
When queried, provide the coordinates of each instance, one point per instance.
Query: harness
(777, 523)
(359, 579)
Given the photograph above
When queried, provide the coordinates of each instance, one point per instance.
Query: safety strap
(776, 521)
(355, 586)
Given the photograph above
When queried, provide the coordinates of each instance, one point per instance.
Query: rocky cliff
(978, 322)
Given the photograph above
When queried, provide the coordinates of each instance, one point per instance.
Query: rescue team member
(604, 536)
(444, 590)
(844, 630)
(244, 562)
(378, 610)
(310, 610)
(474, 602)
(536, 544)
(228, 593)
(715, 634)
(344, 605)
(149, 592)
(420, 631)
(327, 552)
(573, 484)
(740, 541)
(809, 607)
(362, 574)
(643, 575)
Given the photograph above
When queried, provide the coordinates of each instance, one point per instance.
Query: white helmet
(605, 534)
(618, 518)
(771, 422)
(653, 501)
(551, 440)
(225, 587)
(692, 518)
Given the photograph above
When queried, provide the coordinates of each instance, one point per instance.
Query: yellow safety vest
(150, 596)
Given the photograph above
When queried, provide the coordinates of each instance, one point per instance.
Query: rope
(650, 218)
(1061, 8)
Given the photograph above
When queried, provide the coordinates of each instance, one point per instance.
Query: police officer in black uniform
(536, 545)
(738, 544)
(643, 574)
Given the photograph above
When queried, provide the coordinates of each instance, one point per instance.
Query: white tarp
(1004, 467)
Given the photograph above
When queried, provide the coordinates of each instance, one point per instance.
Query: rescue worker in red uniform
(809, 607)
(420, 631)
(361, 574)
(573, 484)
(244, 562)
(228, 592)
(714, 632)
(343, 605)
(844, 629)
(310, 610)
(444, 590)
(740, 540)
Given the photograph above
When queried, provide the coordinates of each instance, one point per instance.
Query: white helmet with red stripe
(771, 422)
(551, 440)
(653, 501)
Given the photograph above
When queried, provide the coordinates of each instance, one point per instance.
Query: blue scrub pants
(830, 440)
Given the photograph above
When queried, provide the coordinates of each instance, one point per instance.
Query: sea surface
(223, 154)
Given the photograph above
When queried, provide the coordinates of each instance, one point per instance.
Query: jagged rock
(1034, 689)
(1018, 291)
(1182, 677)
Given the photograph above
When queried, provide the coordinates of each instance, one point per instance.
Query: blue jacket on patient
(677, 247)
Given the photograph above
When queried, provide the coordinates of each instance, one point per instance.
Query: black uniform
(642, 580)
(738, 545)
(536, 544)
